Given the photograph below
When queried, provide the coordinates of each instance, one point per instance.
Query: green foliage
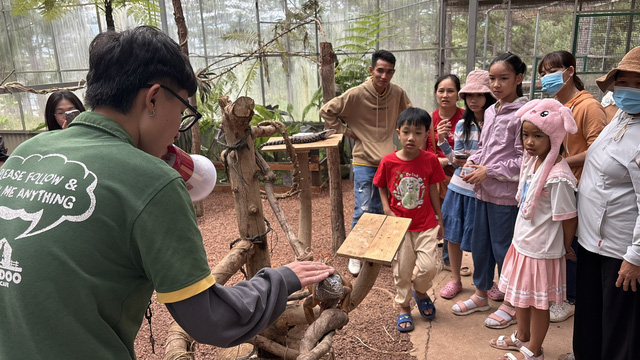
(315, 104)
(146, 11)
(362, 38)
(208, 94)
(243, 36)
(49, 9)
(353, 68)
(268, 113)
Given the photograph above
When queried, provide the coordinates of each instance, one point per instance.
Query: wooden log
(231, 264)
(327, 72)
(304, 226)
(323, 348)
(275, 348)
(241, 163)
(364, 282)
(293, 316)
(326, 324)
(179, 345)
(263, 131)
(302, 253)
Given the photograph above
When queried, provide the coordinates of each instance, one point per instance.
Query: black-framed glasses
(191, 114)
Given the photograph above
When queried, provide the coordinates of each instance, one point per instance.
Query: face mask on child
(552, 83)
(627, 99)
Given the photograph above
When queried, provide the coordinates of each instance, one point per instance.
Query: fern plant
(362, 38)
(353, 67)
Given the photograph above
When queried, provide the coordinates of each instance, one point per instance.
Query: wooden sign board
(375, 238)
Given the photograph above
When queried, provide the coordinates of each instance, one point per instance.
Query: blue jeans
(366, 195)
(445, 252)
(492, 236)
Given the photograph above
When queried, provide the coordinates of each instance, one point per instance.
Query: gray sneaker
(560, 313)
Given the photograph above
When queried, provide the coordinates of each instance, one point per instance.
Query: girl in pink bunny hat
(533, 272)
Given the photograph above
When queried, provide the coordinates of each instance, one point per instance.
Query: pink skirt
(527, 282)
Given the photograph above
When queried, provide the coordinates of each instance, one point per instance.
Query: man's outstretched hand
(310, 272)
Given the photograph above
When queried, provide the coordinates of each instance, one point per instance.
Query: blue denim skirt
(458, 217)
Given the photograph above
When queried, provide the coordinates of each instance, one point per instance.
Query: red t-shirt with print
(408, 184)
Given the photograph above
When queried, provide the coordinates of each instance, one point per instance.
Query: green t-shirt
(89, 226)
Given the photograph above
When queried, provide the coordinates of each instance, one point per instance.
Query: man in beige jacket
(368, 113)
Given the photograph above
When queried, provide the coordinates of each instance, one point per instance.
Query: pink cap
(477, 83)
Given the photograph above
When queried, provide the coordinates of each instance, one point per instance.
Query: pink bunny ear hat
(555, 120)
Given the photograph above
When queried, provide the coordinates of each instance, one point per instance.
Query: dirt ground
(370, 332)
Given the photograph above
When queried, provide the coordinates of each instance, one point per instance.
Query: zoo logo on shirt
(35, 198)
(10, 272)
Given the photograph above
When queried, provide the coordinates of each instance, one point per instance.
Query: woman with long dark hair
(445, 118)
(458, 208)
(58, 104)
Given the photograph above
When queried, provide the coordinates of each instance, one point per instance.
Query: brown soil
(370, 333)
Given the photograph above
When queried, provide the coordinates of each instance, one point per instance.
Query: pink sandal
(475, 304)
(450, 290)
(504, 317)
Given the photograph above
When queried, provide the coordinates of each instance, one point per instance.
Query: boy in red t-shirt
(407, 182)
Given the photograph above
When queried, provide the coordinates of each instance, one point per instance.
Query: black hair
(441, 78)
(469, 117)
(383, 55)
(561, 59)
(560, 151)
(122, 63)
(514, 63)
(414, 116)
(53, 101)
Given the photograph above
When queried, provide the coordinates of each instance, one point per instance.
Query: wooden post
(304, 228)
(327, 73)
(241, 163)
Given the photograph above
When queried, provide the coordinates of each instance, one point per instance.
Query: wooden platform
(375, 238)
(332, 141)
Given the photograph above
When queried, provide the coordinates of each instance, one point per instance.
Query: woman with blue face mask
(559, 79)
(606, 324)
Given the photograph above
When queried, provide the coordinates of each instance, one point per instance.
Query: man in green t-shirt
(92, 221)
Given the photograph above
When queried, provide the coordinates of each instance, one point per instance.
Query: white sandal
(502, 344)
(528, 354)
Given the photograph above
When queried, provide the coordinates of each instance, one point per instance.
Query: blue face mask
(552, 83)
(627, 99)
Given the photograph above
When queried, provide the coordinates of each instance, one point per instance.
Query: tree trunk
(327, 72)
(241, 164)
(108, 14)
(179, 346)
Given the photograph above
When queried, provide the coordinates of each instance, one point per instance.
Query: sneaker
(559, 313)
(354, 266)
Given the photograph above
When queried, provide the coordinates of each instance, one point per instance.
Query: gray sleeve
(226, 316)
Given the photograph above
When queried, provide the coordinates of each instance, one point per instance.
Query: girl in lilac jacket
(497, 168)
